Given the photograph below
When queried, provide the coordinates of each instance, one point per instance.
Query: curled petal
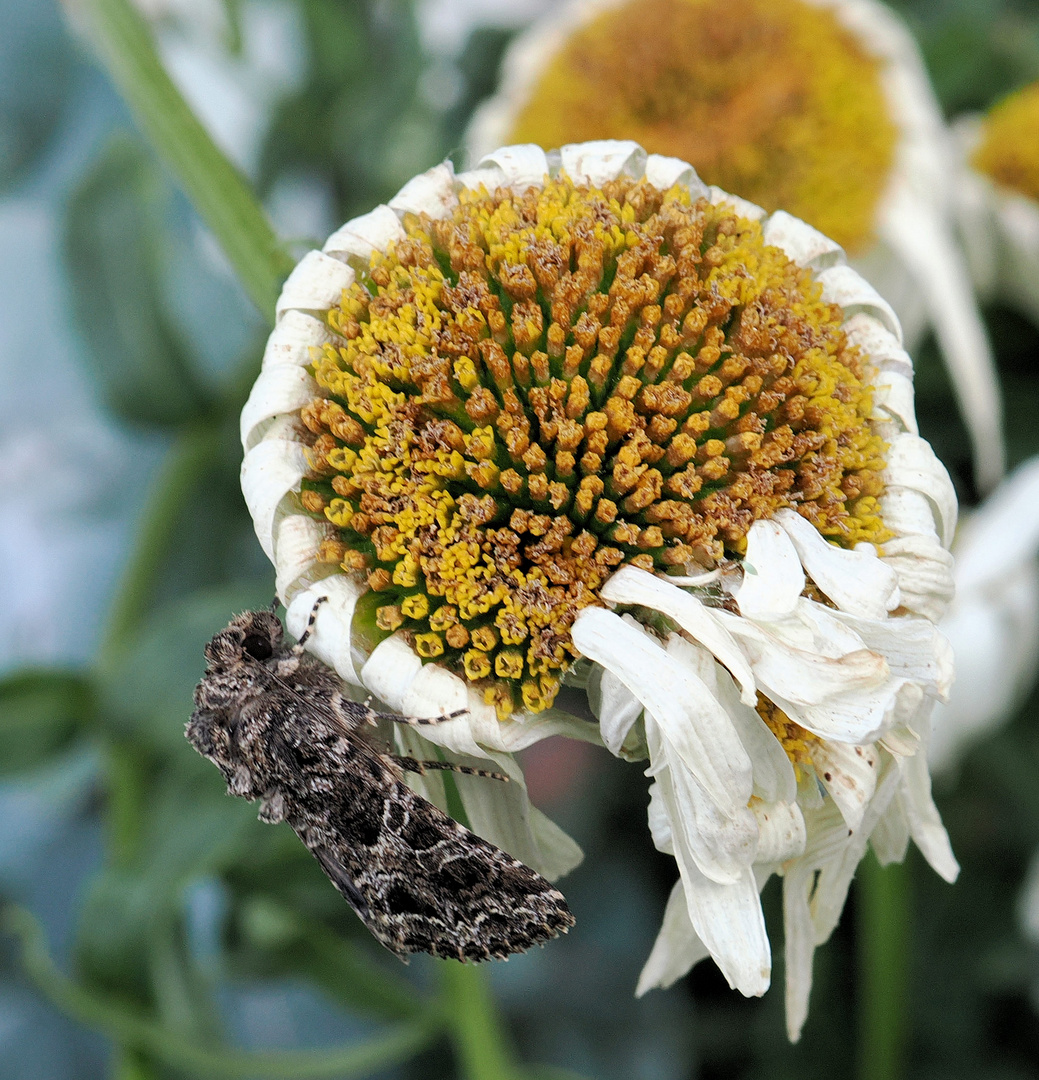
(630, 585)
(389, 672)
(855, 580)
(772, 576)
(743, 207)
(894, 399)
(522, 165)
(431, 192)
(315, 284)
(330, 640)
(599, 162)
(925, 577)
(781, 831)
(361, 237)
(923, 819)
(849, 774)
(279, 390)
(799, 241)
(687, 712)
(883, 348)
(297, 541)
(293, 340)
(843, 286)
(911, 463)
(664, 172)
(270, 470)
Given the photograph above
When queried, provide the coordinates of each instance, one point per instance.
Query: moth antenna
(420, 721)
(421, 767)
(297, 649)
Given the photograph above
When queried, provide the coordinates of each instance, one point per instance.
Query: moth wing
(420, 881)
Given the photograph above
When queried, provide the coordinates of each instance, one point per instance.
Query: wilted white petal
(925, 574)
(315, 284)
(677, 948)
(389, 672)
(843, 286)
(923, 819)
(772, 576)
(806, 246)
(882, 347)
(849, 774)
(913, 226)
(270, 470)
(361, 237)
(522, 165)
(599, 162)
(664, 172)
(781, 831)
(911, 463)
(434, 692)
(431, 192)
(659, 822)
(744, 207)
(489, 177)
(855, 580)
(894, 397)
(330, 640)
(694, 723)
(890, 838)
(297, 542)
(618, 710)
(293, 340)
(798, 948)
(631, 585)
(279, 390)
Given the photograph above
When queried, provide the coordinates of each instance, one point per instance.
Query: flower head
(577, 418)
(998, 199)
(818, 107)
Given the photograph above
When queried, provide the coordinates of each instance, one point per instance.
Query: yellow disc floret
(546, 385)
(770, 98)
(1009, 149)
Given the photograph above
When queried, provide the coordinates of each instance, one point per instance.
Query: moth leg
(297, 649)
(415, 766)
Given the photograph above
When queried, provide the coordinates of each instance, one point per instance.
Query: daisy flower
(822, 108)
(999, 199)
(576, 422)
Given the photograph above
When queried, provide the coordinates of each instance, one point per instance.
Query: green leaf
(114, 251)
(217, 190)
(41, 713)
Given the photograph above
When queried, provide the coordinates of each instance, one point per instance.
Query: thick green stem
(480, 1041)
(884, 914)
(220, 194)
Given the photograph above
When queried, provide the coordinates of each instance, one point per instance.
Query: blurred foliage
(196, 908)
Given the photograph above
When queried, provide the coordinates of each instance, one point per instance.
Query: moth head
(252, 636)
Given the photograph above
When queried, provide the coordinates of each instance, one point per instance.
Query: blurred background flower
(192, 934)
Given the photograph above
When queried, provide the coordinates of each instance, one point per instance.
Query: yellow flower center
(544, 386)
(769, 98)
(794, 739)
(1009, 150)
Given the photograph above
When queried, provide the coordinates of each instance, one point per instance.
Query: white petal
(316, 284)
(890, 838)
(431, 192)
(293, 339)
(907, 513)
(390, 670)
(925, 823)
(924, 569)
(361, 237)
(490, 178)
(690, 717)
(781, 831)
(618, 709)
(799, 241)
(270, 470)
(598, 162)
(523, 165)
(882, 347)
(331, 639)
(664, 172)
(434, 692)
(659, 822)
(297, 541)
(630, 585)
(279, 389)
(849, 774)
(721, 845)
(894, 399)
(856, 580)
(728, 920)
(676, 949)
(743, 207)
(912, 225)
(911, 463)
(772, 575)
(798, 949)
(846, 287)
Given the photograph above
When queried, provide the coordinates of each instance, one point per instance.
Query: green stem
(186, 461)
(480, 1041)
(220, 194)
(883, 931)
(400, 1043)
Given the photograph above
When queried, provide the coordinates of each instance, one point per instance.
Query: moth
(277, 724)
